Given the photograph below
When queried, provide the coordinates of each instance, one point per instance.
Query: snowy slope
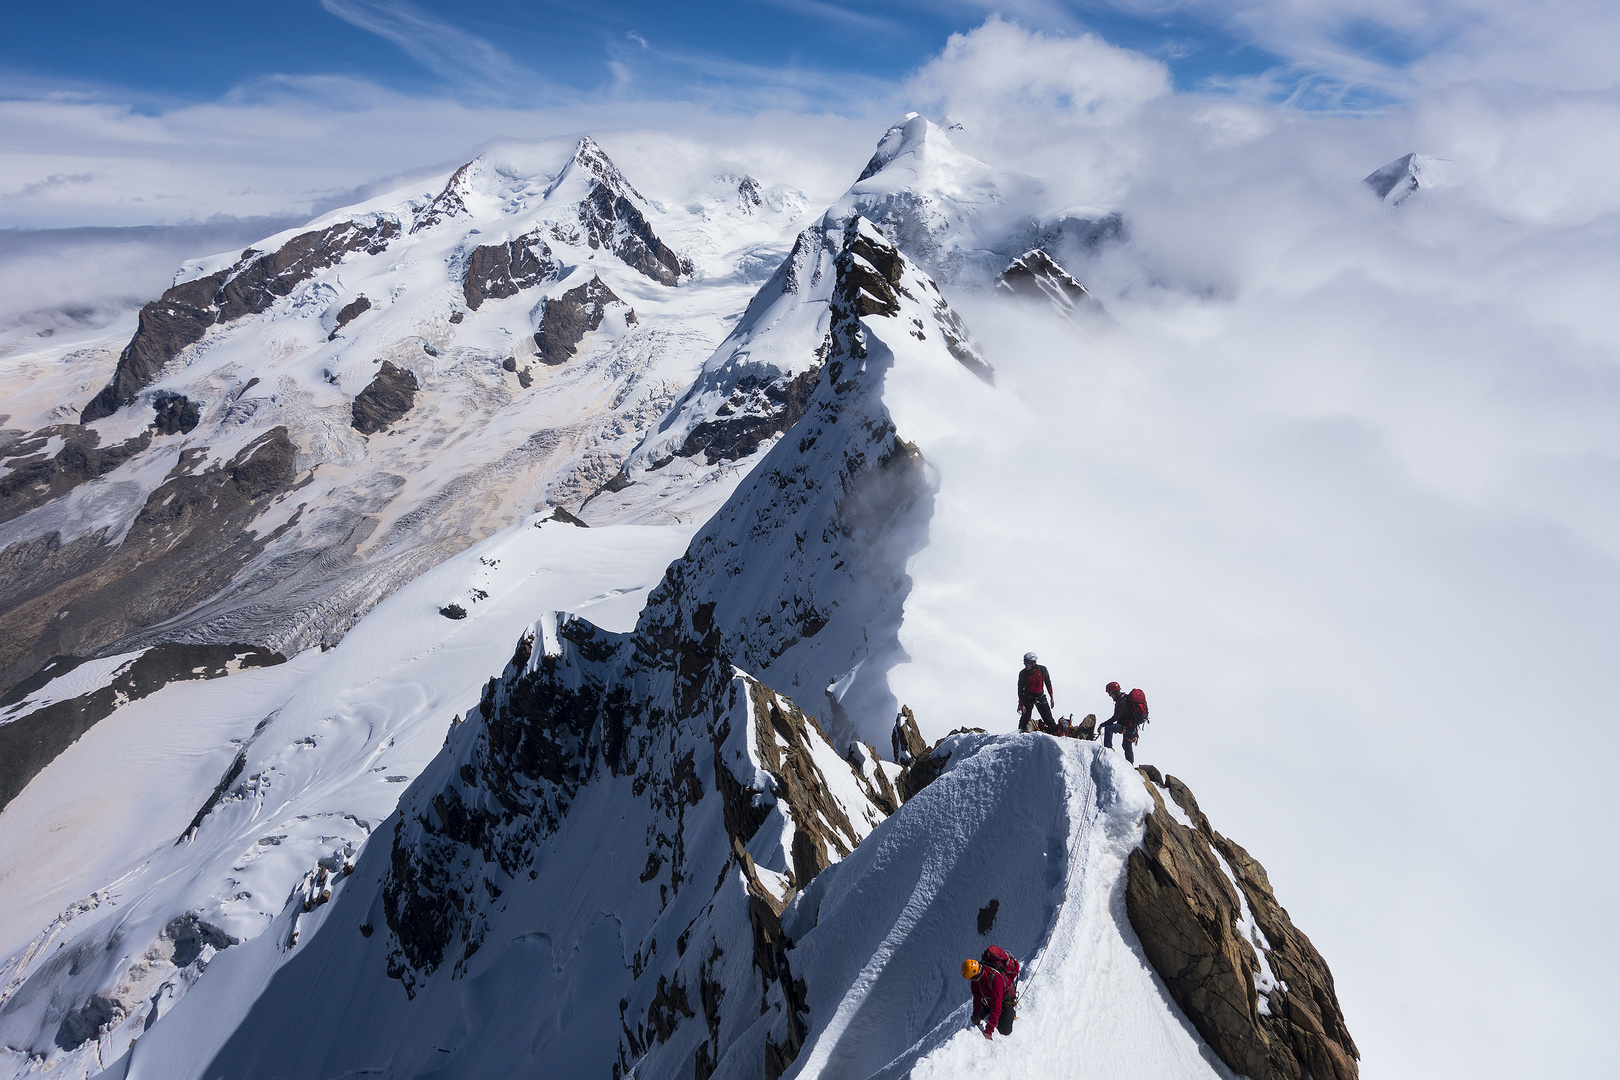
(1042, 826)
(94, 864)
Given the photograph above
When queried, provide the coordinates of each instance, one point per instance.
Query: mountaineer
(1034, 692)
(1130, 713)
(994, 979)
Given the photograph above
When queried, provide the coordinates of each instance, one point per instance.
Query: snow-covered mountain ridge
(293, 432)
(634, 849)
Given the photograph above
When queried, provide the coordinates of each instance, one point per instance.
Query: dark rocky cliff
(1250, 981)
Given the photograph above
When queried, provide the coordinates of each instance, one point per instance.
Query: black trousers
(1025, 704)
(1127, 738)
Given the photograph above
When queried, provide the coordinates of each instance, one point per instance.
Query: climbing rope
(1068, 874)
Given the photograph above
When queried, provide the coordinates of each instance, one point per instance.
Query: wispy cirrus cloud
(835, 13)
(461, 58)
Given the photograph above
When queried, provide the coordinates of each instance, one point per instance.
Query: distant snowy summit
(1402, 178)
(1036, 276)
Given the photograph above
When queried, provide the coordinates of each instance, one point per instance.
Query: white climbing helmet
(1030, 658)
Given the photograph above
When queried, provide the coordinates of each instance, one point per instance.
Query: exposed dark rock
(348, 313)
(669, 1004)
(906, 740)
(783, 745)
(457, 316)
(1035, 275)
(569, 317)
(922, 771)
(85, 1023)
(453, 611)
(254, 284)
(187, 542)
(446, 204)
(869, 272)
(257, 280)
(748, 194)
(501, 270)
(218, 793)
(757, 411)
(33, 740)
(559, 514)
(1187, 913)
(35, 479)
(509, 364)
(612, 221)
(165, 326)
(175, 414)
(189, 934)
(385, 399)
(525, 377)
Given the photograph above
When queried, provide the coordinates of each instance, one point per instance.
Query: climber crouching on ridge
(1035, 692)
(1130, 713)
(994, 980)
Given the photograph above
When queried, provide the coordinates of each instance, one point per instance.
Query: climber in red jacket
(1130, 713)
(994, 979)
(1035, 692)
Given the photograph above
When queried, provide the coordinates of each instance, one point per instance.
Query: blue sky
(527, 52)
(114, 114)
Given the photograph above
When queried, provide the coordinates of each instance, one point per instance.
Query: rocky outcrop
(906, 741)
(1249, 980)
(758, 409)
(566, 320)
(348, 313)
(1035, 275)
(869, 282)
(496, 271)
(34, 479)
(185, 312)
(610, 219)
(664, 712)
(447, 204)
(175, 414)
(185, 544)
(30, 741)
(389, 396)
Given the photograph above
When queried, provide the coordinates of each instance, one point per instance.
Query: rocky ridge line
(185, 312)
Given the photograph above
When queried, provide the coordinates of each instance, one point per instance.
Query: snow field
(1044, 826)
(330, 742)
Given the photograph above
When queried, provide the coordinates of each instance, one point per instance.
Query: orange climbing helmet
(970, 969)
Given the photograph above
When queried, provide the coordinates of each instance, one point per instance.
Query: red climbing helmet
(1111, 688)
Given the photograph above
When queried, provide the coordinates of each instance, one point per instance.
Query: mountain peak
(592, 162)
(915, 137)
(1397, 181)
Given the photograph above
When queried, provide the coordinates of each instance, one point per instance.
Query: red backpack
(1139, 700)
(996, 959)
